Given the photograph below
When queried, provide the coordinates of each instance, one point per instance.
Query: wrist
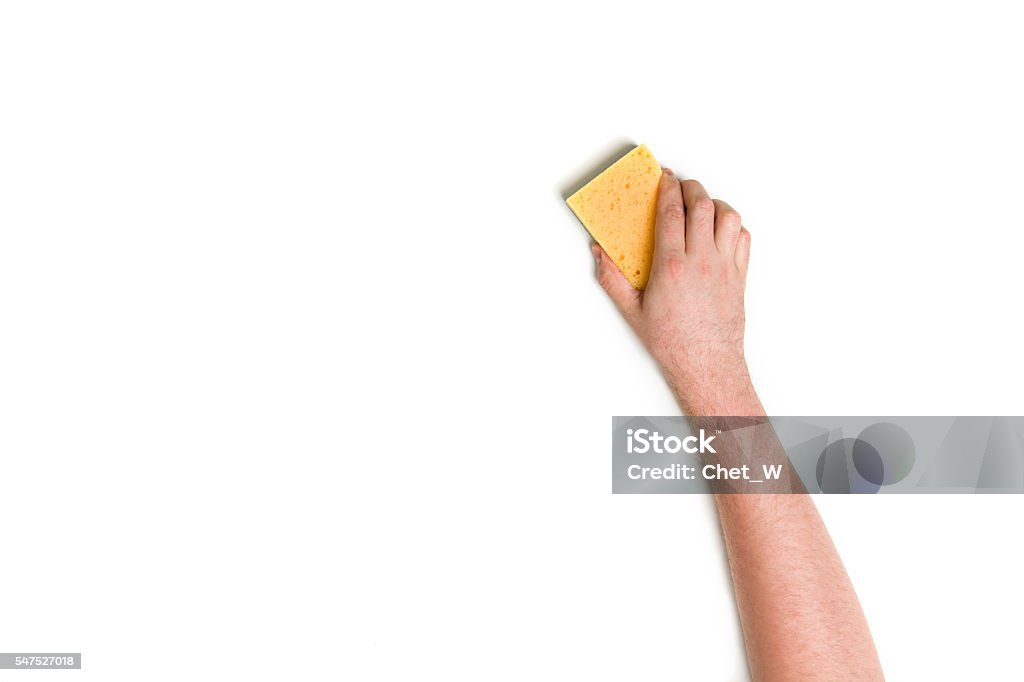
(713, 384)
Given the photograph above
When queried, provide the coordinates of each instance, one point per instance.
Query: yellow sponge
(618, 208)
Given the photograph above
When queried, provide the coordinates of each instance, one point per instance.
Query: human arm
(800, 616)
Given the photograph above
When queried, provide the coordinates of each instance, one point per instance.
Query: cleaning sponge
(618, 208)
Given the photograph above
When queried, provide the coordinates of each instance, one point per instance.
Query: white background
(304, 372)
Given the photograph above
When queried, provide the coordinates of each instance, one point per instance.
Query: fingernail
(596, 250)
(668, 171)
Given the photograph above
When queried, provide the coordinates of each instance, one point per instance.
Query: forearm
(800, 616)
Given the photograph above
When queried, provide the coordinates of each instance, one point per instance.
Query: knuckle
(674, 266)
(731, 215)
(672, 211)
(703, 266)
(704, 205)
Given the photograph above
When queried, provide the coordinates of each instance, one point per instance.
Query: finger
(670, 223)
(727, 226)
(743, 249)
(700, 217)
(615, 284)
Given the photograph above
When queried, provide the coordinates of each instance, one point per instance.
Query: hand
(690, 317)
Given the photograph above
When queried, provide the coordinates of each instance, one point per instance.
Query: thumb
(615, 284)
